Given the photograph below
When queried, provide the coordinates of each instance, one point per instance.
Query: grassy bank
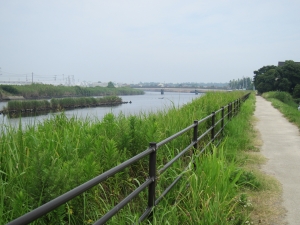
(39, 163)
(284, 102)
(34, 91)
(215, 191)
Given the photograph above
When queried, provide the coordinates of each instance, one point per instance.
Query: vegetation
(286, 105)
(110, 84)
(51, 91)
(244, 83)
(59, 104)
(284, 78)
(34, 105)
(38, 163)
(9, 89)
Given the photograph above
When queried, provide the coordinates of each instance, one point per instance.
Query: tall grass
(284, 97)
(17, 105)
(60, 103)
(214, 188)
(43, 161)
(51, 91)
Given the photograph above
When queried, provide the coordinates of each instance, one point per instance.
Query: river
(149, 102)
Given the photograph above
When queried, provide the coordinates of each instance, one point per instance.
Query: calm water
(149, 102)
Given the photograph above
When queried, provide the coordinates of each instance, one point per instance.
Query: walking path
(281, 146)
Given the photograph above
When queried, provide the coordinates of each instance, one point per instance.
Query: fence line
(216, 133)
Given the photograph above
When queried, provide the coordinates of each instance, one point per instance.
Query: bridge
(183, 90)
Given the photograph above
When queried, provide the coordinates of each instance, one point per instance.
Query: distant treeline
(35, 91)
(244, 83)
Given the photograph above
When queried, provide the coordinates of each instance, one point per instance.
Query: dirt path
(281, 146)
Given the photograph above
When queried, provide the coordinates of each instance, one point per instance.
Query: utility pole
(31, 78)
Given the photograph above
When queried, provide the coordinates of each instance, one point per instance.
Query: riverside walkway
(281, 147)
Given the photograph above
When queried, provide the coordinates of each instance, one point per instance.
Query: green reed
(16, 105)
(41, 162)
(50, 91)
(60, 103)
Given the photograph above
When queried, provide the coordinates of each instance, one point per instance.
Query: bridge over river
(184, 90)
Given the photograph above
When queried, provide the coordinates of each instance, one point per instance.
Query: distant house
(105, 84)
(98, 84)
(282, 63)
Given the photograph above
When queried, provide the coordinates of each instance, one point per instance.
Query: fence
(218, 121)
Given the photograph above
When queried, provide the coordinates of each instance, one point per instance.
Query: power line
(43, 78)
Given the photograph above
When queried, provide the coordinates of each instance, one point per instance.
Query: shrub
(280, 95)
(9, 89)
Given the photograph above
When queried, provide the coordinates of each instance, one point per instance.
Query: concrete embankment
(8, 98)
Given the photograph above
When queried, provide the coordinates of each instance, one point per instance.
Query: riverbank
(16, 107)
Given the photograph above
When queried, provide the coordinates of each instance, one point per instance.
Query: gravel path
(281, 146)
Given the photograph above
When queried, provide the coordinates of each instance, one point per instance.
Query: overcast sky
(142, 41)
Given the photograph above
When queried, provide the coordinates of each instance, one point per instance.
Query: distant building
(282, 63)
(105, 84)
(99, 84)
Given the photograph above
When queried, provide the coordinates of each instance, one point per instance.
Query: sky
(136, 41)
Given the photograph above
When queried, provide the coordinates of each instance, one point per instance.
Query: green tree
(283, 84)
(261, 76)
(265, 82)
(110, 84)
(291, 71)
(296, 93)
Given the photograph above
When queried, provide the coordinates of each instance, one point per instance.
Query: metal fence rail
(213, 133)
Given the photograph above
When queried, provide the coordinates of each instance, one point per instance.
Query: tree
(265, 82)
(273, 78)
(110, 84)
(291, 71)
(296, 93)
(283, 85)
(259, 78)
